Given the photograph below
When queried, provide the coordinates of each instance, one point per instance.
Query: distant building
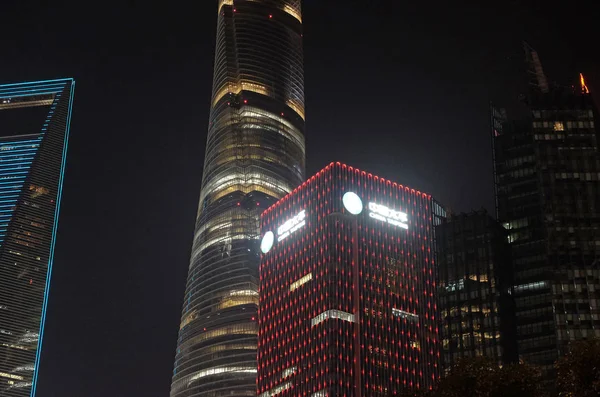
(34, 130)
(475, 287)
(347, 296)
(547, 173)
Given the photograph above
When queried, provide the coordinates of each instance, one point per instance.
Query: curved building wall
(254, 156)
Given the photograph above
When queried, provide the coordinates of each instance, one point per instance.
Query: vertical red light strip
(286, 337)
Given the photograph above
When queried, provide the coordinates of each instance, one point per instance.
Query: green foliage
(578, 373)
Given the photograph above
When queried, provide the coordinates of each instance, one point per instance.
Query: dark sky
(397, 88)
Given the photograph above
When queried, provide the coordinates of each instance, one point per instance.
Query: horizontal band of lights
(238, 329)
(288, 371)
(276, 390)
(293, 12)
(11, 376)
(406, 315)
(339, 314)
(285, 374)
(531, 286)
(320, 393)
(295, 285)
(221, 370)
(190, 379)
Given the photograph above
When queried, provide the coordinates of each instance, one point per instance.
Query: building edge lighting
(54, 232)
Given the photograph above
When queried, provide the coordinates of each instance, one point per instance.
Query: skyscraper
(254, 156)
(475, 287)
(34, 130)
(347, 305)
(547, 171)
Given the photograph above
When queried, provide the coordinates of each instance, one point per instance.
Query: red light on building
(347, 289)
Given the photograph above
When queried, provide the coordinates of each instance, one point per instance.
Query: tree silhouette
(578, 372)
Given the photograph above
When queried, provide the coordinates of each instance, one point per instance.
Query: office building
(547, 172)
(34, 131)
(475, 289)
(347, 305)
(254, 156)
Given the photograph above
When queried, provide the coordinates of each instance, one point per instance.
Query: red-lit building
(347, 283)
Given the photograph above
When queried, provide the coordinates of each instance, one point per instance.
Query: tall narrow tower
(254, 156)
(35, 119)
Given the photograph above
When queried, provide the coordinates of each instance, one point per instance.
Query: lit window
(405, 315)
(288, 371)
(10, 376)
(531, 286)
(276, 390)
(559, 126)
(293, 12)
(238, 298)
(240, 329)
(189, 318)
(332, 314)
(221, 370)
(187, 380)
(38, 191)
(297, 284)
(225, 2)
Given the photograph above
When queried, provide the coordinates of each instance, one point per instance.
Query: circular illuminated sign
(267, 242)
(352, 203)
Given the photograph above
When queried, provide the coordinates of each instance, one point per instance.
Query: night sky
(397, 88)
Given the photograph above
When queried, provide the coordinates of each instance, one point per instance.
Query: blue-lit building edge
(42, 88)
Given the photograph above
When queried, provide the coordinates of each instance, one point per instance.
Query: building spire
(537, 76)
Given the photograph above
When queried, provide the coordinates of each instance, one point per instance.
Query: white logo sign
(384, 214)
(291, 225)
(267, 242)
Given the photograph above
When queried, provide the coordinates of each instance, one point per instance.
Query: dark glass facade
(254, 156)
(475, 289)
(547, 170)
(347, 305)
(34, 131)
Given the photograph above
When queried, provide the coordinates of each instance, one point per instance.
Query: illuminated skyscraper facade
(475, 289)
(254, 156)
(347, 304)
(34, 130)
(547, 171)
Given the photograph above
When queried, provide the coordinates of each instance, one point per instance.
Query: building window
(297, 284)
(405, 315)
(332, 314)
(559, 126)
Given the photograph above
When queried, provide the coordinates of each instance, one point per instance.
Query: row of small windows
(561, 126)
(516, 224)
(520, 161)
(580, 114)
(587, 176)
(520, 173)
(531, 286)
(548, 137)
